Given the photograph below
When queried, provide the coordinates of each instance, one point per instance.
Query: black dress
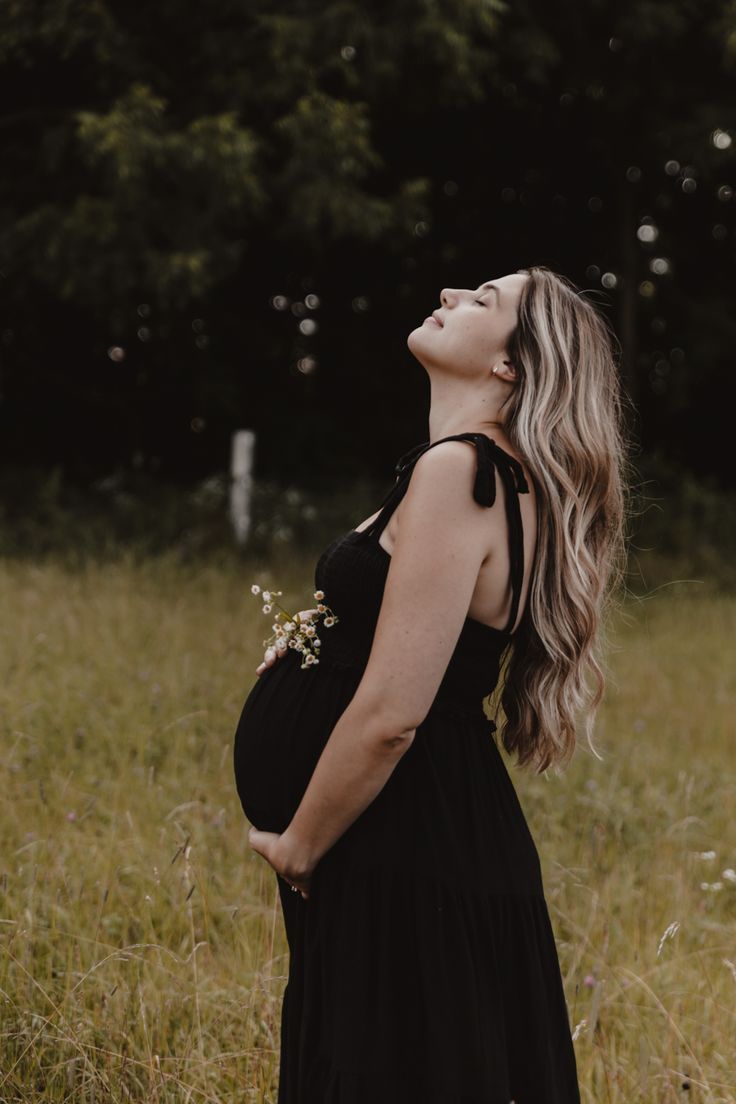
(422, 966)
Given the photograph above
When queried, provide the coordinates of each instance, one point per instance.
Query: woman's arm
(444, 536)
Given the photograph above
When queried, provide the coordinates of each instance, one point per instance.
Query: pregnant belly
(284, 725)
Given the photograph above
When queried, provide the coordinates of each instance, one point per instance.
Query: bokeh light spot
(647, 232)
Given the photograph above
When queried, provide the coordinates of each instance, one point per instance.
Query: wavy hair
(565, 417)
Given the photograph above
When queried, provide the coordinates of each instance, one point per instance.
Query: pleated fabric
(422, 967)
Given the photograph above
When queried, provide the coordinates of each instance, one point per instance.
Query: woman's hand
(272, 654)
(276, 849)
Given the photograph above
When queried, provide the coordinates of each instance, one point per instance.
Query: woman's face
(469, 332)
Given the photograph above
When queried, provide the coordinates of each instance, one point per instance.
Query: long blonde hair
(566, 419)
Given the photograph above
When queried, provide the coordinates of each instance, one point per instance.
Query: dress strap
(491, 457)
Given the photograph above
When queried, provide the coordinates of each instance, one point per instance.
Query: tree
(202, 205)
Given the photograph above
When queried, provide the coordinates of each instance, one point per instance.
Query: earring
(495, 368)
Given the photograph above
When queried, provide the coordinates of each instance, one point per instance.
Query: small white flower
(317, 642)
(267, 607)
(267, 596)
(729, 875)
(711, 887)
(329, 622)
(255, 589)
(310, 630)
(319, 595)
(706, 856)
(321, 607)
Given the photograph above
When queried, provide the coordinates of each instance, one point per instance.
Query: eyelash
(480, 301)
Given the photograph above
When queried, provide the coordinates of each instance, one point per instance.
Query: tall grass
(142, 951)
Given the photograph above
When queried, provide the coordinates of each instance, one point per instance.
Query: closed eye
(481, 302)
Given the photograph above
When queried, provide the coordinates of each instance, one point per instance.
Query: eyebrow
(486, 287)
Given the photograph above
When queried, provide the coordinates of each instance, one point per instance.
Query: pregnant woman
(422, 962)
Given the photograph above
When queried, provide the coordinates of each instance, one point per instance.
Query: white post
(241, 482)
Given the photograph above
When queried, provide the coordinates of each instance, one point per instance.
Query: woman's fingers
(269, 658)
(277, 650)
(271, 655)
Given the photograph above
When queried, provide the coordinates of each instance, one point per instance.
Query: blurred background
(231, 217)
(218, 224)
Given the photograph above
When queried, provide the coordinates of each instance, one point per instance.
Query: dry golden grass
(142, 952)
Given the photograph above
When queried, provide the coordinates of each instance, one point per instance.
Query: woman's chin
(417, 339)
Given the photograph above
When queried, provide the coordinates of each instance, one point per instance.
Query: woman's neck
(456, 406)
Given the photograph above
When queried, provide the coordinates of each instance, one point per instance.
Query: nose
(448, 296)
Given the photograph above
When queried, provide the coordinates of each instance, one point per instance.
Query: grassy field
(142, 953)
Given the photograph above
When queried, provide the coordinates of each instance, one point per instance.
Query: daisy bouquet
(294, 630)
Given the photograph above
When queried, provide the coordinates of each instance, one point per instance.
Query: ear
(505, 370)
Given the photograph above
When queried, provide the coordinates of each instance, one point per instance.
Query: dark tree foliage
(232, 214)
